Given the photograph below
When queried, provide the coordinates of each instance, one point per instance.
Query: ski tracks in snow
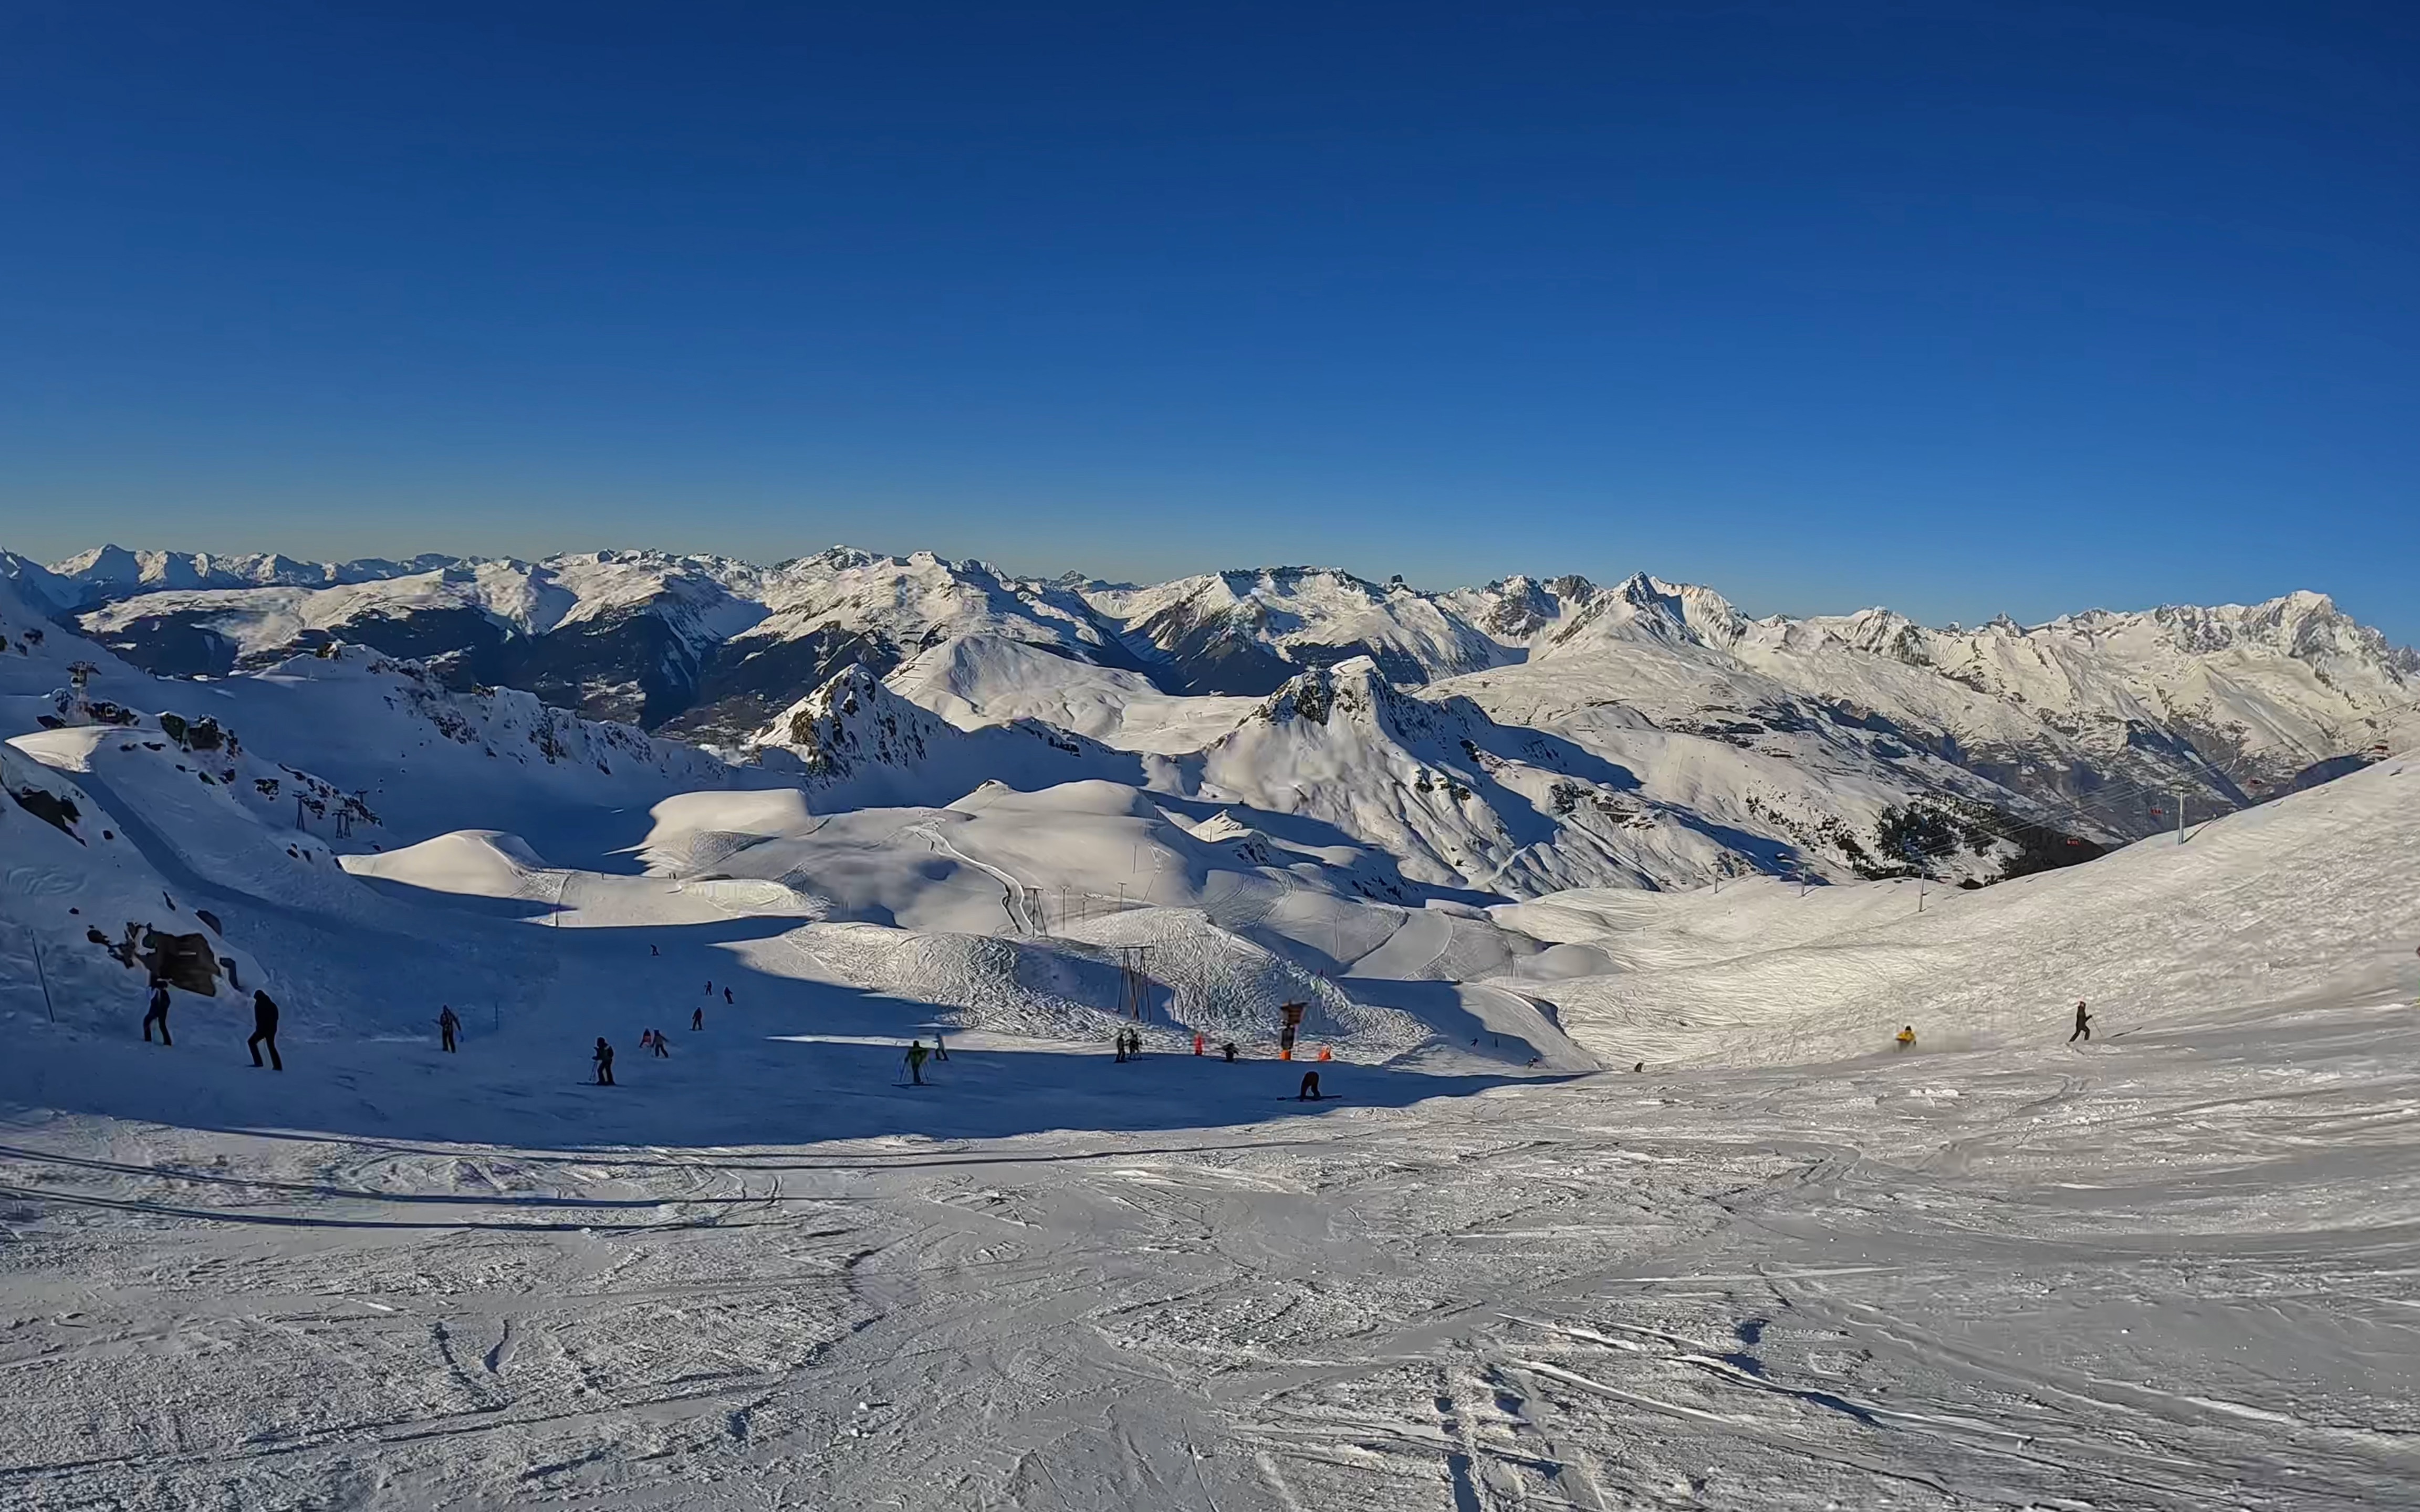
(1935, 1287)
(1013, 901)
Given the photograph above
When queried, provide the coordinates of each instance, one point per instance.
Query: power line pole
(2180, 816)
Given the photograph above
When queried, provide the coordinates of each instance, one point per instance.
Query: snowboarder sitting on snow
(159, 1014)
(448, 1025)
(2083, 1026)
(1906, 1037)
(1310, 1093)
(604, 1062)
(264, 1028)
(916, 1053)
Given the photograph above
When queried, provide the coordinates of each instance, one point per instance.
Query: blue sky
(1964, 308)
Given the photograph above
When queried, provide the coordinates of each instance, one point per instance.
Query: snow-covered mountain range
(1529, 734)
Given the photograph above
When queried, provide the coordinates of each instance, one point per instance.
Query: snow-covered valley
(1620, 1194)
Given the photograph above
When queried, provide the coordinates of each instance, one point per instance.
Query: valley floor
(2179, 1269)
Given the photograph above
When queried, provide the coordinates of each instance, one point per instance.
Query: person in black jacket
(604, 1062)
(449, 1023)
(159, 1014)
(2083, 1026)
(264, 1029)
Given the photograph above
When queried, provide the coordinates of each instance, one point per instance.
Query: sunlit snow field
(1785, 1266)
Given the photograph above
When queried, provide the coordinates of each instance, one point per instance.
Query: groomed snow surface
(1787, 1265)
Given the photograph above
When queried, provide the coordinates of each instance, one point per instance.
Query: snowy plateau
(1704, 1119)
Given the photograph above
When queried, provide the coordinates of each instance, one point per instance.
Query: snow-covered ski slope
(1787, 1266)
(2314, 894)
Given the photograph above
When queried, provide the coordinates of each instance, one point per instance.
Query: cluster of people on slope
(264, 1023)
(1128, 1042)
(1905, 1038)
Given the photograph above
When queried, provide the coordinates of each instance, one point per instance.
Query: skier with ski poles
(2083, 1026)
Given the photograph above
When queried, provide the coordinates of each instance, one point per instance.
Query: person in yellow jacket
(1906, 1037)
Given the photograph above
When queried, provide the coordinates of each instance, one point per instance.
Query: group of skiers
(264, 1023)
(917, 1055)
(649, 1039)
(1905, 1038)
(449, 1029)
(1128, 1042)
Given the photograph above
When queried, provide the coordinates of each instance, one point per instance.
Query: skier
(1134, 1045)
(696, 1018)
(1120, 1043)
(916, 1053)
(2083, 1026)
(1228, 1050)
(662, 1051)
(710, 989)
(1198, 1041)
(726, 995)
(1310, 1093)
(159, 1014)
(652, 950)
(940, 1046)
(448, 1025)
(604, 1062)
(1325, 1054)
(264, 1028)
(1906, 1037)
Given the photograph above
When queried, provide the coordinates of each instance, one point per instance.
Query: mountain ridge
(1811, 732)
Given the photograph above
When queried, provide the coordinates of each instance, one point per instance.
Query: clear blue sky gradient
(1964, 308)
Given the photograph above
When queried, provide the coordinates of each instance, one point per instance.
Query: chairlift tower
(1134, 963)
(79, 675)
